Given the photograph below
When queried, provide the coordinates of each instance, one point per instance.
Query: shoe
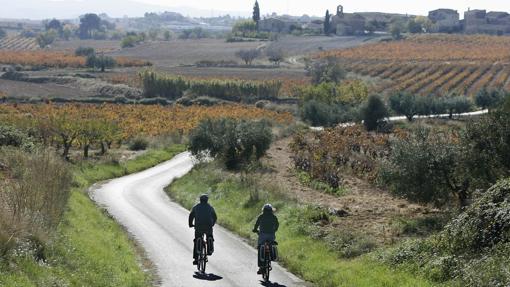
(195, 262)
(260, 271)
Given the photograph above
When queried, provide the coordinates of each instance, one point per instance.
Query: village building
(445, 21)
(481, 22)
(344, 24)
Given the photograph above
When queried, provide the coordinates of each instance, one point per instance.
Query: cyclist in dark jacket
(203, 218)
(266, 226)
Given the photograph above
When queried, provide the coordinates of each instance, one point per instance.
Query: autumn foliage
(56, 59)
(87, 125)
(432, 64)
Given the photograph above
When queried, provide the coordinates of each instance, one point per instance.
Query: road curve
(139, 203)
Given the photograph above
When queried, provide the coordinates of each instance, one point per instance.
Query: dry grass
(34, 192)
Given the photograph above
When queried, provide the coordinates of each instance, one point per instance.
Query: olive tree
(236, 143)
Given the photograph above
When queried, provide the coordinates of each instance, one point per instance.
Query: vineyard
(56, 59)
(18, 43)
(131, 120)
(433, 64)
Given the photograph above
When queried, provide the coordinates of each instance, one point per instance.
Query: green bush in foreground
(472, 249)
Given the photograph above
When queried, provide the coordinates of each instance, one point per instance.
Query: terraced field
(18, 43)
(433, 64)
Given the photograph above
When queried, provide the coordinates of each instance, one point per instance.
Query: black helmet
(204, 198)
(267, 207)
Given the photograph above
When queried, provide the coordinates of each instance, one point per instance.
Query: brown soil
(370, 210)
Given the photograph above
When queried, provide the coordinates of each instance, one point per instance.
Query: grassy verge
(90, 249)
(302, 250)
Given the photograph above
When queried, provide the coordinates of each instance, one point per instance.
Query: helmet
(204, 198)
(267, 207)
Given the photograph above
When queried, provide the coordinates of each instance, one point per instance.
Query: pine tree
(256, 13)
(327, 23)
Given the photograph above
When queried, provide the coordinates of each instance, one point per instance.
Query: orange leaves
(56, 59)
(136, 120)
(432, 48)
(41, 58)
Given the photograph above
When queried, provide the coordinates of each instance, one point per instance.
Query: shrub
(130, 41)
(100, 62)
(486, 149)
(374, 113)
(489, 99)
(325, 70)
(47, 38)
(236, 143)
(421, 167)
(84, 51)
(10, 136)
(139, 143)
(472, 249)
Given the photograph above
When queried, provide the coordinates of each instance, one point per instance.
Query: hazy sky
(318, 7)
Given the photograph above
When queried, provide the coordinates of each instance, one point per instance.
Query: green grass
(238, 204)
(91, 249)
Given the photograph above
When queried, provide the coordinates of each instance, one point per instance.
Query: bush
(47, 38)
(100, 62)
(472, 249)
(236, 143)
(421, 167)
(486, 149)
(138, 144)
(84, 51)
(10, 136)
(489, 99)
(325, 70)
(131, 41)
(374, 113)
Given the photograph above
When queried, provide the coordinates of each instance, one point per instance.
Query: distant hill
(45, 9)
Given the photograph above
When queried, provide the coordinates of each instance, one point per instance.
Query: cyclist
(268, 224)
(203, 218)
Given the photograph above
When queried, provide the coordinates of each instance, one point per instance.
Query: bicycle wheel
(203, 257)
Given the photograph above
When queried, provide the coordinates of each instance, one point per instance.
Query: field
(438, 64)
(18, 43)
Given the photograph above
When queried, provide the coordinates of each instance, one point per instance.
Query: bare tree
(275, 55)
(248, 55)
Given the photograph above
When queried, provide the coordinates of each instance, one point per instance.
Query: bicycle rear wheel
(202, 255)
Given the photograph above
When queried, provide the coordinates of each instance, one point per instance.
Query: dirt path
(370, 210)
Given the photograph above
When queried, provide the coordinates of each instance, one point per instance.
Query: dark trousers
(198, 236)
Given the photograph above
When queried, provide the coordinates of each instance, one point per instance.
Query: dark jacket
(267, 222)
(203, 215)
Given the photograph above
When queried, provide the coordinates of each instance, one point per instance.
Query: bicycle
(266, 259)
(202, 253)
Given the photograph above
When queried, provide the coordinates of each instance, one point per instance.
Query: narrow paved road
(139, 203)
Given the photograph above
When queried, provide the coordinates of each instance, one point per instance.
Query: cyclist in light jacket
(266, 226)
